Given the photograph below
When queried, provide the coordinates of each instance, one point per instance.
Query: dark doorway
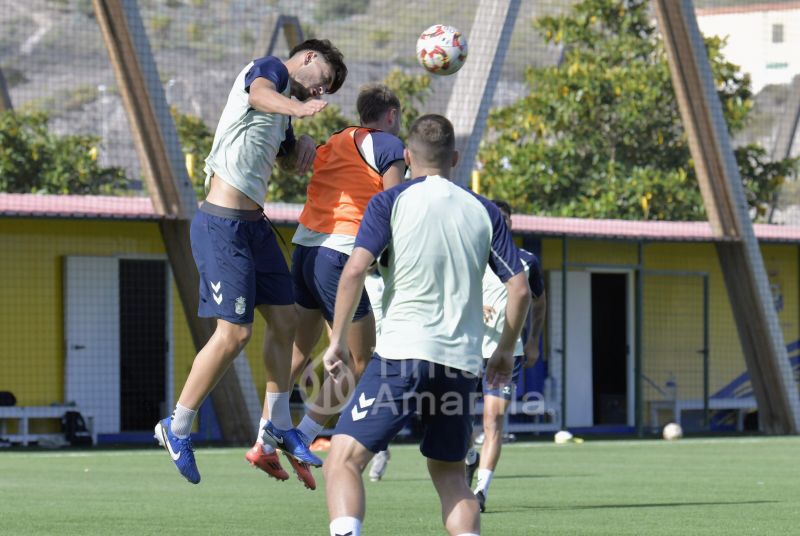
(610, 348)
(143, 342)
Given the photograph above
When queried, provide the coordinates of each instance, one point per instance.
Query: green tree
(600, 134)
(33, 160)
(196, 140)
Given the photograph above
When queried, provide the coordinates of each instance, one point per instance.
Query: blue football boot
(180, 450)
(292, 442)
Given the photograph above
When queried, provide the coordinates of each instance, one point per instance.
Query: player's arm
(519, 300)
(538, 309)
(264, 97)
(505, 262)
(537, 314)
(394, 175)
(501, 363)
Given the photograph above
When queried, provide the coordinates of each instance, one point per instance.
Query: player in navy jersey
(240, 265)
(439, 238)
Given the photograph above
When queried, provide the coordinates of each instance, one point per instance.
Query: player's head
(379, 107)
(320, 69)
(431, 146)
(505, 210)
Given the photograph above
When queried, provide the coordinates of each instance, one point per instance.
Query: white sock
(484, 479)
(279, 410)
(469, 534)
(182, 421)
(346, 526)
(310, 428)
(268, 449)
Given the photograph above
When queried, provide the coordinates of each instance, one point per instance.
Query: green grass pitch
(693, 486)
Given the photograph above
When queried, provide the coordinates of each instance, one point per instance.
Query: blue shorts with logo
(240, 263)
(506, 392)
(391, 390)
(315, 274)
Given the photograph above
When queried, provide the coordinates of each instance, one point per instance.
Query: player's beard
(298, 91)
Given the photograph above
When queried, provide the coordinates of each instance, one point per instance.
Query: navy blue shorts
(391, 390)
(315, 273)
(506, 392)
(240, 263)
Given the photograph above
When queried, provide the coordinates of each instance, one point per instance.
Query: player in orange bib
(350, 168)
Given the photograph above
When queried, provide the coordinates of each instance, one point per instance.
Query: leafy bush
(196, 140)
(32, 160)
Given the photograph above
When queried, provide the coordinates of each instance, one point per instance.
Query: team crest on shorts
(239, 306)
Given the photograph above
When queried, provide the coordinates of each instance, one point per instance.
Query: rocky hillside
(53, 57)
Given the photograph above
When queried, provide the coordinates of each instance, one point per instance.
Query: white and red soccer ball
(441, 49)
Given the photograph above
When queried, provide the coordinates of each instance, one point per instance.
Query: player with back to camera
(351, 167)
(439, 238)
(526, 351)
(240, 265)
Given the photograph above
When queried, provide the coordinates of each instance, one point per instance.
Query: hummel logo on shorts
(215, 291)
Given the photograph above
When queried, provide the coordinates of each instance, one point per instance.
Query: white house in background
(764, 38)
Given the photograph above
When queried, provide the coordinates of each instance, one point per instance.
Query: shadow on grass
(513, 477)
(503, 477)
(522, 508)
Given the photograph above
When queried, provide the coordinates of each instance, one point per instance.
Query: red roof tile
(140, 208)
(77, 206)
(692, 231)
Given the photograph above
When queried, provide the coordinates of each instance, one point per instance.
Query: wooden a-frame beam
(739, 255)
(273, 26)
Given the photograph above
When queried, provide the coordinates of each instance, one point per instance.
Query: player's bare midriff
(223, 194)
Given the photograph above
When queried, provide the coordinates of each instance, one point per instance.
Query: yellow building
(650, 296)
(91, 315)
